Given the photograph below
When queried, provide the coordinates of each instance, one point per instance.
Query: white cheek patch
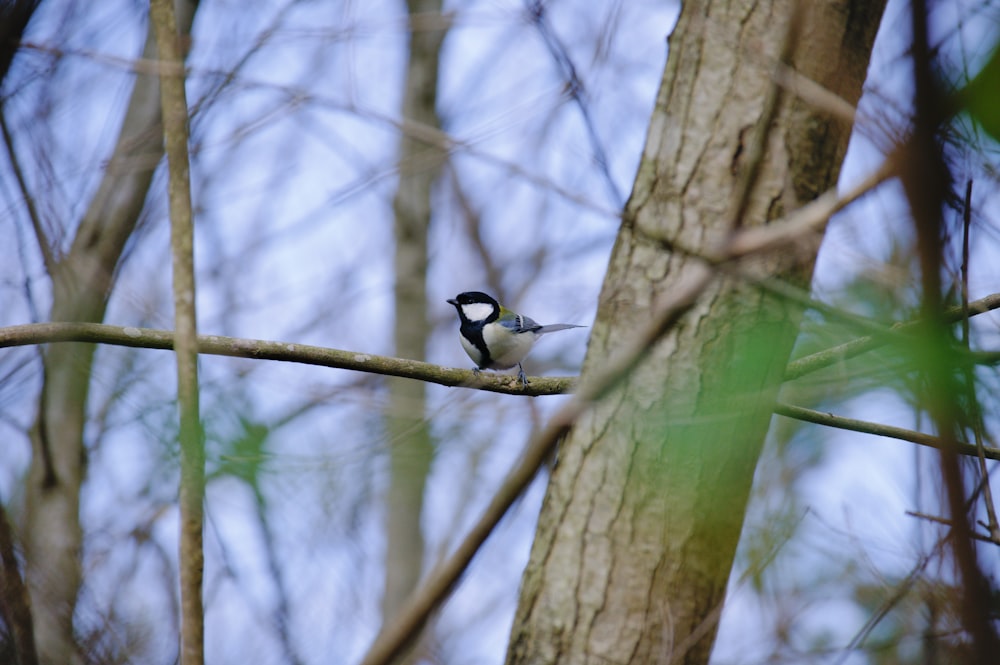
(477, 311)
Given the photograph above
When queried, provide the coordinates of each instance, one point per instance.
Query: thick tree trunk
(644, 509)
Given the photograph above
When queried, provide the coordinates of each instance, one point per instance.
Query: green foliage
(981, 97)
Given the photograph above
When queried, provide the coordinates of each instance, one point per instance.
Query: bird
(495, 337)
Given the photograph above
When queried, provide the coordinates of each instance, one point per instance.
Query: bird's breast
(507, 348)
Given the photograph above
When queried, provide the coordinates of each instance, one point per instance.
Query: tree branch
(173, 101)
(975, 409)
(866, 427)
(833, 355)
(948, 523)
(42, 238)
(236, 347)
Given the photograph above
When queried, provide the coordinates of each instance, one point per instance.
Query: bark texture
(644, 509)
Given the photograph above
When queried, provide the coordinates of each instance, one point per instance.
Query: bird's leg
(521, 376)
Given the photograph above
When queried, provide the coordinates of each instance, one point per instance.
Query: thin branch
(810, 218)
(780, 234)
(576, 91)
(867, 427)
(44, 244)
(947, 522)
(173, 101)
(814, 94)
(902, 589)
(976, 413)
(80, 287)
(148, 338)
(256, 349)
(820, 359)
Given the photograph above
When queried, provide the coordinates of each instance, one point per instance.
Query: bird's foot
(521, 377)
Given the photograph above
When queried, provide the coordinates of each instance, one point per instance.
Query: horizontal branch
(866, 427)
(216, 345)
(950, 523)
(236, 347)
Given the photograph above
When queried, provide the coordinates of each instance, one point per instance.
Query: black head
(475, 307)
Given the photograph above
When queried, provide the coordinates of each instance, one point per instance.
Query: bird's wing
(517, 322)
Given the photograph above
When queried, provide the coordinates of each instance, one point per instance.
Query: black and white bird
(495, 337)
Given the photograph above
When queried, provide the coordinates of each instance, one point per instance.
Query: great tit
(495, 337)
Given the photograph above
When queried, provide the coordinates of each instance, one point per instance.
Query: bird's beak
(452, 301)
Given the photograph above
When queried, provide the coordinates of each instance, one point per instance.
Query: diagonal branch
(576, 90)
(41, 237)
(810, 218)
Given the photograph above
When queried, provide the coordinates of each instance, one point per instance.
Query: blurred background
(303, 165)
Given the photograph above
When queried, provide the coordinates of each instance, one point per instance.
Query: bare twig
(976, 414)
(44, 243)
(577, 92)
(878, 429)
(810, 218)
(173, 101)
(946, 522)
(814, 94)
(80, 287)
(42, 333)
(902, 589)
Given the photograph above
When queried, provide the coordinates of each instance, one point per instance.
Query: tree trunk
(640, 523)
(411, 449)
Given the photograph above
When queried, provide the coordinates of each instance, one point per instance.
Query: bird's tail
(555, 327)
